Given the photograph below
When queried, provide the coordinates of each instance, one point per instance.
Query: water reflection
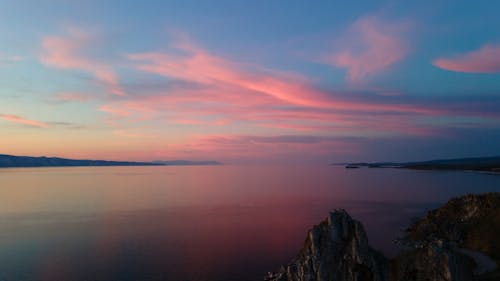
(196, 223)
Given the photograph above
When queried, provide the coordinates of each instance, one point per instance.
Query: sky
(250, 81)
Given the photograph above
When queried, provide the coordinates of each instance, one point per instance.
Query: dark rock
(336, 250)
(432, 262)
(457, 242)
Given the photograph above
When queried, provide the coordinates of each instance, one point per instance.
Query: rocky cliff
(338, 243)
(452, 243)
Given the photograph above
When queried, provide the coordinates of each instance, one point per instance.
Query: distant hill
(27, 161)
(186, 163)
(10, 161)
(485, 164)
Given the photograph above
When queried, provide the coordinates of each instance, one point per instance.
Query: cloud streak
(373, 46)
(483, 60)
(20, 120)
(199, 66)
(238, 147)
(64, 52)
(245, 110)
(245, 83)
(209, 90)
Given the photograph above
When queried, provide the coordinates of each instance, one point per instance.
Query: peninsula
(10, 161)
(480, 164)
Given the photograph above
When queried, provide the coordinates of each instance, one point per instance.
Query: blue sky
(252, 80)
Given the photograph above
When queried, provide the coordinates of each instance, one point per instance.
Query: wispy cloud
(199, 66)
(238, 147)
(7, 60)
(371, 45)
(242, 83)
(24, 121)
(206, 89)
(484, 60)
(40, 124)
(65, 52)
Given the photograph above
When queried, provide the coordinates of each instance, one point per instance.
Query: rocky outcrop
(452, 243)
(336, 250)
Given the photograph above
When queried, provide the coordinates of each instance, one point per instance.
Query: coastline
(11, 161)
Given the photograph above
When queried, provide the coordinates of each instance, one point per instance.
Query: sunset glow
(165, 81)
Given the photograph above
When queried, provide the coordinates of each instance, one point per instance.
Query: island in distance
(10, 161)
(481, 164)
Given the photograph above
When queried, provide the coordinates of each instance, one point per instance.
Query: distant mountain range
(485, 164)
(10, 161)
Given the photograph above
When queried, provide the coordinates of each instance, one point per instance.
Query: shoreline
(495, 171)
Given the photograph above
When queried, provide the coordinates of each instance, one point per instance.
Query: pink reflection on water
(196, 223)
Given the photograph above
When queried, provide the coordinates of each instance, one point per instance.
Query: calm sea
(198, 223)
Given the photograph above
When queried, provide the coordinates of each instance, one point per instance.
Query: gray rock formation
(336, 250)
(452, 243)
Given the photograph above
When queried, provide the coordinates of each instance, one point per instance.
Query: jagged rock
(336, 250)
(457, 242)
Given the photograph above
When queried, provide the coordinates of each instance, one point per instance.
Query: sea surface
(198, 223)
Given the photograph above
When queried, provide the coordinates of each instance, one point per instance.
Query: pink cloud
(114, 110)
(199, 122)
(374, 45)
(68, 97)
(222, 95)
(219, 92)
(243, 84)
(237, 147)
(197, 65)
(361, 127)
(354, 118)
(484, 60)
(63, 52)
(23, 121)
